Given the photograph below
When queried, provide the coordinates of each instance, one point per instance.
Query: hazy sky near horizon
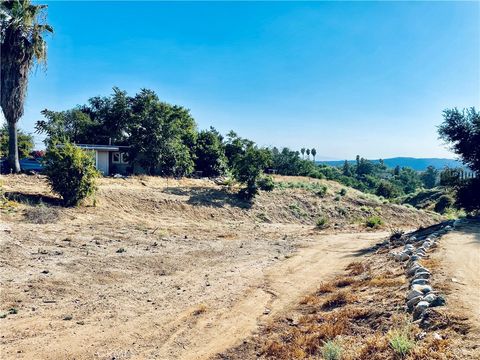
(347, 78)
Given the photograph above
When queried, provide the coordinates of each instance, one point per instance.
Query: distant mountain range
(418, 164)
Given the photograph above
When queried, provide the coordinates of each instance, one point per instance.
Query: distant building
(110, 159)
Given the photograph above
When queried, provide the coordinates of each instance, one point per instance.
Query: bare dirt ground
(459, 257)
(167, 269)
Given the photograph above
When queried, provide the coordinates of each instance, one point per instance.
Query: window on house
(116, 158)
(120, 157)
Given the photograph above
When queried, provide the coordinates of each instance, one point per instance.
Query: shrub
(322, 222)
(343, 192)
(401, 342)
(332, 350)
(374, 221)
(71, 172)
(443, 203)
(322, 191)
(266, 183)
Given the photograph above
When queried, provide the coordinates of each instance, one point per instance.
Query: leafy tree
(346, 169)
(235, 146)
(308, 153)
(71, 125)
(450, 177)
(249, 166)
(387, 189)
(396, 171)
(461, 129)
(25, 143)
(22, 46)
(429, 177)
(409, 180)
(162, 136)
(302, 150)
(210, 153)
(103, 120)
(314, 153)
(71, 172)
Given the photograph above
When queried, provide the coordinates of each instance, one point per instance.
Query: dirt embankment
(165, 268)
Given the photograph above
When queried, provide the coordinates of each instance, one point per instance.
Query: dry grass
(430, 263)
(357, 268)
(362, 312)
(383, 281)
(41, 214)
(338, 300)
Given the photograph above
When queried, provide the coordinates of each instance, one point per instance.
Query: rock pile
(421, 295)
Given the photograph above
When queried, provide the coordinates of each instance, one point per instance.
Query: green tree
(249, 166)
(210, 153)
(308, 153)
(314, 153)
(25, 143)
(162, 136)
(22, 46)
(346, 169)
(429, 177)
(71, 172)
(461, 129)
(302, 150)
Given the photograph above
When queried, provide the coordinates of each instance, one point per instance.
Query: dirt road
(460, 253)
(123, 313)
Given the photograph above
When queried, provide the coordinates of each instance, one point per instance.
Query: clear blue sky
(364, 77)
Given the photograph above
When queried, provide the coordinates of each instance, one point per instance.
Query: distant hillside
(418, 164)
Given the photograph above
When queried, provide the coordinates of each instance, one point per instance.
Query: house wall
(102, 162)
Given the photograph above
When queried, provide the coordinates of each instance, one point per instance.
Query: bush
(322, 222)
(468, 195)
(71, 172)
(332, 350)
(443, 203)
(322, 191)
(266, 183)
(343, 192)
(248, 168)
(374, 221)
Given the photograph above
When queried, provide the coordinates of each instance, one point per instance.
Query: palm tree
(308, 154)
(314, 152)
(302, 150)
(22, 46)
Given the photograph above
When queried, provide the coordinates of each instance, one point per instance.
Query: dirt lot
(168, 269)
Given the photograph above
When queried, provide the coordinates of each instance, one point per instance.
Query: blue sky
(344, 77)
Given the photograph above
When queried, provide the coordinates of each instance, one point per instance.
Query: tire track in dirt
(282, 286)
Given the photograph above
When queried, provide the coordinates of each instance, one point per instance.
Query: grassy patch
(401, 342)
(41, 214)
(374, 222)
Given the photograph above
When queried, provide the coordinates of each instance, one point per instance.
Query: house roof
(100, 147)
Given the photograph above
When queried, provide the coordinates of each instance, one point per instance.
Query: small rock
(412, 302)
(413, 294)
(424, 289)
(421, 275)
(45, 272)
(420, 282)
(438, 301)
(437, 336)
(419, 309)
(68, 317)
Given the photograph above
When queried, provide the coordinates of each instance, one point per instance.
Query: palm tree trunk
(13, 161)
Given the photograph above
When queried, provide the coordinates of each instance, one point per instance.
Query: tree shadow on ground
(32, 199)
(203, 196)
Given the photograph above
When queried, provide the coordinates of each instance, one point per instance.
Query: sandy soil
(165, 269)
(460, 254)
